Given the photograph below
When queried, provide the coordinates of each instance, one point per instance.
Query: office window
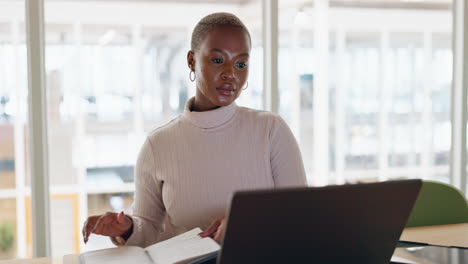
(8, 224)
(388, 83)
(14, 179)
(115, 71)
(441, 80)
(362, 96)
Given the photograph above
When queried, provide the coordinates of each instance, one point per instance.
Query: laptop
(359, 223)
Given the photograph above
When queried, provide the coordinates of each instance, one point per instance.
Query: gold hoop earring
(190, 76)
(246, 86)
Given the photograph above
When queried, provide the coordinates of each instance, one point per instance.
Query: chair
(438, 204)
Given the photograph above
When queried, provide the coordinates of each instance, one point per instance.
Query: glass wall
(14, 181)
(386, 83)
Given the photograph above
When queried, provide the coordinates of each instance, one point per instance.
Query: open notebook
(187, 248)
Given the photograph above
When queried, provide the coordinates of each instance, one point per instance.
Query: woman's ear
(191, 60)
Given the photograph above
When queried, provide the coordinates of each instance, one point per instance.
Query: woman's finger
(217, 236)
(88, 226)
(209, 232)
(83, 231)
(219, 233)
(121, 218)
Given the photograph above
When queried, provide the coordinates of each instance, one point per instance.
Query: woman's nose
(228, 74)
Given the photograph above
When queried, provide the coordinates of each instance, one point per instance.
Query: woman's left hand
(216, 229)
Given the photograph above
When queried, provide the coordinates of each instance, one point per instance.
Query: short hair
(212, 21)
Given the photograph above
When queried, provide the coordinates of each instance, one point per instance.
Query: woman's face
(221, 67)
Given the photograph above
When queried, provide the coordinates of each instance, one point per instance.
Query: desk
(455, 235)
(68, 259)
(443, 234)
(31, 261)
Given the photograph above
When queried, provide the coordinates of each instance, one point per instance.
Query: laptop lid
(359, 223)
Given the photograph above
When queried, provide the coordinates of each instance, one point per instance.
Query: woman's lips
(226, 90)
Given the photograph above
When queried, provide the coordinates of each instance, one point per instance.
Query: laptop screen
(335, 224)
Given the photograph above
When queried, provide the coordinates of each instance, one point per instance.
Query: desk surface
(455, 235)
(441, 235)
(68, 259)
(31, 261)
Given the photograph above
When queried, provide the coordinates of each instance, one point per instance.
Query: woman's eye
(241, 65)
(217, 60)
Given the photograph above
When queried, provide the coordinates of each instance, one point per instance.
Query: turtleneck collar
(210, 119)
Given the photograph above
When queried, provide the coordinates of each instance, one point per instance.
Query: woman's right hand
(108, 224)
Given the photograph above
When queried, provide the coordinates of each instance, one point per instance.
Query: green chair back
(438, 204)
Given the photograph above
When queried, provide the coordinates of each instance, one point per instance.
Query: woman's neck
(198, 106)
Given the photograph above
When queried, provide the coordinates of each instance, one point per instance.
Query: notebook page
(116, 256)
(182, 248)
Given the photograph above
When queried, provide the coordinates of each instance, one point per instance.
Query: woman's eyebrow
(222, 51)
(218, 50)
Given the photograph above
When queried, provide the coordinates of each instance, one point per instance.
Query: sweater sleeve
(148, 211)
(285, 157)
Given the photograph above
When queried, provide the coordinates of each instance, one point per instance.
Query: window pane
(8, 229)
(15, 225)
(440, 115)
(388, 87)
(361, 107)
(112, 77)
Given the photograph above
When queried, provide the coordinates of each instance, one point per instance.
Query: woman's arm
(148, 209)
(285, 157)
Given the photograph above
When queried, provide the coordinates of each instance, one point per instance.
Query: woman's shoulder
(263, 120)
(259, 115)
(165, 130)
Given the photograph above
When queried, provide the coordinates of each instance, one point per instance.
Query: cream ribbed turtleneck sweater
(188, 169)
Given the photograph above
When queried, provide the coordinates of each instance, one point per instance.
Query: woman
(188, 169)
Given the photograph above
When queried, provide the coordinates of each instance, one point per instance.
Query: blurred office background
(373, 76)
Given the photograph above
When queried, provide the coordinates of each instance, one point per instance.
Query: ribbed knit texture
(188, 169)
